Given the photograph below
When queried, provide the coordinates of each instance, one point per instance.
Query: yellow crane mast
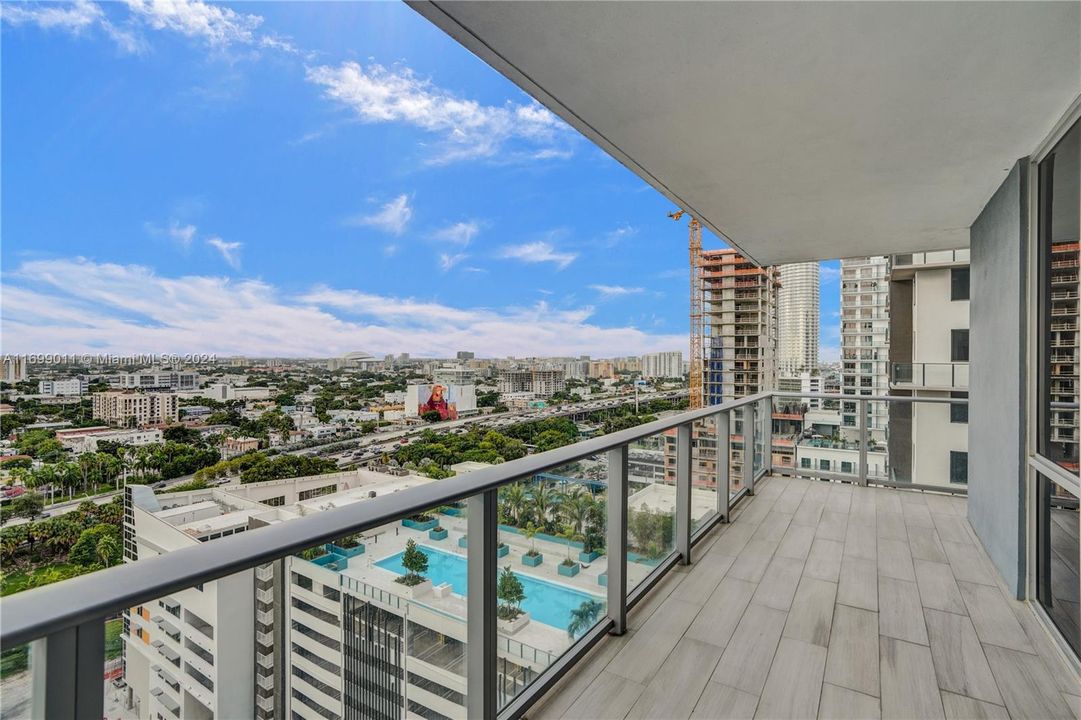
(694, 247)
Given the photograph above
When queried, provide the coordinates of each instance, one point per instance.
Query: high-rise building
(131, 409)
(797, 319)
(865, 342)
(740, 307)
(928, 352)
(14, 368)
(662, 365)
(465, 355)
(542, 383)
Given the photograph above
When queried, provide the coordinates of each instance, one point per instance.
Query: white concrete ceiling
(796, 130)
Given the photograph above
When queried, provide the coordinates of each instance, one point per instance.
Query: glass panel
(736, 451)
(927, 445)
(15, 683)
(1057, 559)
(787, 416)
(651, 507)
(552, 576)
(1059, 212)
(703, 471)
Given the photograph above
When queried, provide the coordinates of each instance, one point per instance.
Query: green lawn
(19, 580)
(113, 643)
(17, 659)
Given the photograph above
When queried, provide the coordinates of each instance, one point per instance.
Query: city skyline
(384, 227)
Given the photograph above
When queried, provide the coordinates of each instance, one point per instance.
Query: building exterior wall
(740, 343)
(923, 318)
(135, 408)
(662, 365)
(864, 342)
(998, 412)
(798, 318)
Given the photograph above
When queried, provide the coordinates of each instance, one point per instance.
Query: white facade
(804, 383)
(662, 365)
(797, 319)
(929, 322)
(143, 379)
(69, 386)
(865, 342)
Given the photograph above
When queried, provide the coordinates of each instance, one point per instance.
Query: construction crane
(694, 247)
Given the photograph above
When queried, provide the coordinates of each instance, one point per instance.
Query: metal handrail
(35, 613)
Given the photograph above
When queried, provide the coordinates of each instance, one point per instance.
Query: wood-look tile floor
(833, 601)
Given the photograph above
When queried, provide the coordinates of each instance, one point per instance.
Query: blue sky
(306, 179)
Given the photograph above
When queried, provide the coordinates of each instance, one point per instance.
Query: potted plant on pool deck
(569, 567)
(532, 558)
(416, 563)
(438, 533)
(510, 592)
(421, 521)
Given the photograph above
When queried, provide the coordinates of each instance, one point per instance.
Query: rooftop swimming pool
(545, 601)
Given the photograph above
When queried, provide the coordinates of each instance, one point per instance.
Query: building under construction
(740, 319)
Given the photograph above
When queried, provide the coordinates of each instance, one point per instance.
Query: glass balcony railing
(929, 375)
(463, 597)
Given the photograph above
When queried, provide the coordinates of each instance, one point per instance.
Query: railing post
(863, 443)
(748, 448)
(617, 539)
(67, 668)
(767, 442)
(483, 530)
(683, 492)
(724, 486)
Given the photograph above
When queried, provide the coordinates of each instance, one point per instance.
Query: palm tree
(576, 508)
(584, 617)
(516, 499)
(544, 501)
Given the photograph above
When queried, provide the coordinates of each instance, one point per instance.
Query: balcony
(777, 588)
(827, 600)
(945, 376)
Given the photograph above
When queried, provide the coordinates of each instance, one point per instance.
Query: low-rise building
(231, 447)
(68, 386)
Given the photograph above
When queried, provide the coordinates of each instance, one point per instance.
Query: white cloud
(447, 261)
(73, 18)
(182, 234)
(217, 25)
(230, 251)
(538, 252)
(392, 218)
(829, 353)
(614, 291)
(461, 233)
(467, 129)
(828, 274)
(77, 305)
(621, 233)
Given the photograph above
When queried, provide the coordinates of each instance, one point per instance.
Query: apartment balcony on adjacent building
(929, 376)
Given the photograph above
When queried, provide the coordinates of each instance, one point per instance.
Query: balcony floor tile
(820, 600)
